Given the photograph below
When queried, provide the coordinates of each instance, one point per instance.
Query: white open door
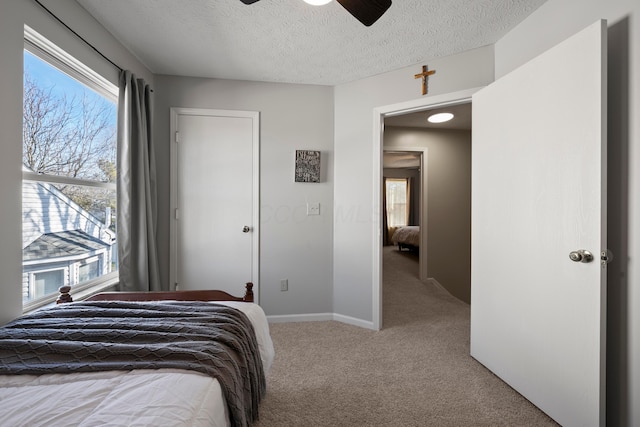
(539, 181)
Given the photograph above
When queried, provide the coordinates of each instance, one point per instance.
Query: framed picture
(307, 166)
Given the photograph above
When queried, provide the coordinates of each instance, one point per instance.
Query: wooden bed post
(248, 294)
(64, 294)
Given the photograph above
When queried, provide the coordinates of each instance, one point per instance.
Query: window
(47, 282)
(69, 174)
(88, 271)
(396, 193)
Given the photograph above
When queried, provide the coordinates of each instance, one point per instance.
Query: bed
(128, 369)
(407, 237)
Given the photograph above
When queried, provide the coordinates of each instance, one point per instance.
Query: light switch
(313, 208)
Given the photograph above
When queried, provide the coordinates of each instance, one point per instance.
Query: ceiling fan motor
(365, 11)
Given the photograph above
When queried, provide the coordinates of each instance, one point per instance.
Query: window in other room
(396, 193)
(69, 174)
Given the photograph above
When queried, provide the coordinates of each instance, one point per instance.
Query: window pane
(67, 226)
(396, 201)
(68, 230)
(47, 282)
(89, 271)
(68, 128)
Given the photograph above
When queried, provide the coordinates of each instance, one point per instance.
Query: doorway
(382, 117)
(406, 165)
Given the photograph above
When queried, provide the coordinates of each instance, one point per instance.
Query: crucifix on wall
(424, 75)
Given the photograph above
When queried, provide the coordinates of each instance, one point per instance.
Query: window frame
(45, 50)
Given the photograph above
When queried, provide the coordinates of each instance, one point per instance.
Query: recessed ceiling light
(440, 117)
(317, 2)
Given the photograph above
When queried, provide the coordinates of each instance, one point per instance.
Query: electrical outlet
(284, 285)
(313, 208)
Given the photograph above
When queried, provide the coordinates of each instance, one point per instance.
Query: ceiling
(290, 41)
(401, 160)
(411, 160)
(461, 118)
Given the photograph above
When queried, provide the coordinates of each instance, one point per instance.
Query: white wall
(14, 14)
(560, 19)
(353, 194)
(293, 246)
(11, 34)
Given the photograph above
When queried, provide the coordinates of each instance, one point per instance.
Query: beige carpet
(415, 372)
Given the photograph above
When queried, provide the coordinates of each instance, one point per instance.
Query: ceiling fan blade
(365, 11)
(248, 1)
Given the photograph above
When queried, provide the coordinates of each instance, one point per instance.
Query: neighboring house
(62, 244)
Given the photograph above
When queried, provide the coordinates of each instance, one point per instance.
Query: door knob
(581, 255)
(246, 229)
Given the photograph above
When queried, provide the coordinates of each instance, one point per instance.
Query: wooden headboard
(196, 295)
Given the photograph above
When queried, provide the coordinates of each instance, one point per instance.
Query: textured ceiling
(290, 41)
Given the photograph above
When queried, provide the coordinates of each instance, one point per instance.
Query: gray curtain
(412, 194)
(386, 237)
(137, 198)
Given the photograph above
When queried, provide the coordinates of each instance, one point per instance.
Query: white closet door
(216, 200)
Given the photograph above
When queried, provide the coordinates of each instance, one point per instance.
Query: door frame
(175, 112)
(422, 201)
(379, 114)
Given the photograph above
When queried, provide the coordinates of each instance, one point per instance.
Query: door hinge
(606, 256)
(177, 136)
(177, 214)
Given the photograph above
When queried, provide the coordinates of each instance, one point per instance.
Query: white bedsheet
(408, 235)
(164, 397)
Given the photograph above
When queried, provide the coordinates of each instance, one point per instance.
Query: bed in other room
(407, 237)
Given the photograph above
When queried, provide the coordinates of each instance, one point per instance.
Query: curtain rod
(78, 35)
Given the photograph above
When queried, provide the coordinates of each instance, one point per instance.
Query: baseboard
(438, 284)
(320, 317)
(353, 321)
(289, 318)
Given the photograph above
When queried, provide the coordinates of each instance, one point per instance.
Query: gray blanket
(111, 335)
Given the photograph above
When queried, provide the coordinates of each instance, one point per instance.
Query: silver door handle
(246, 229)
(581, 255)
